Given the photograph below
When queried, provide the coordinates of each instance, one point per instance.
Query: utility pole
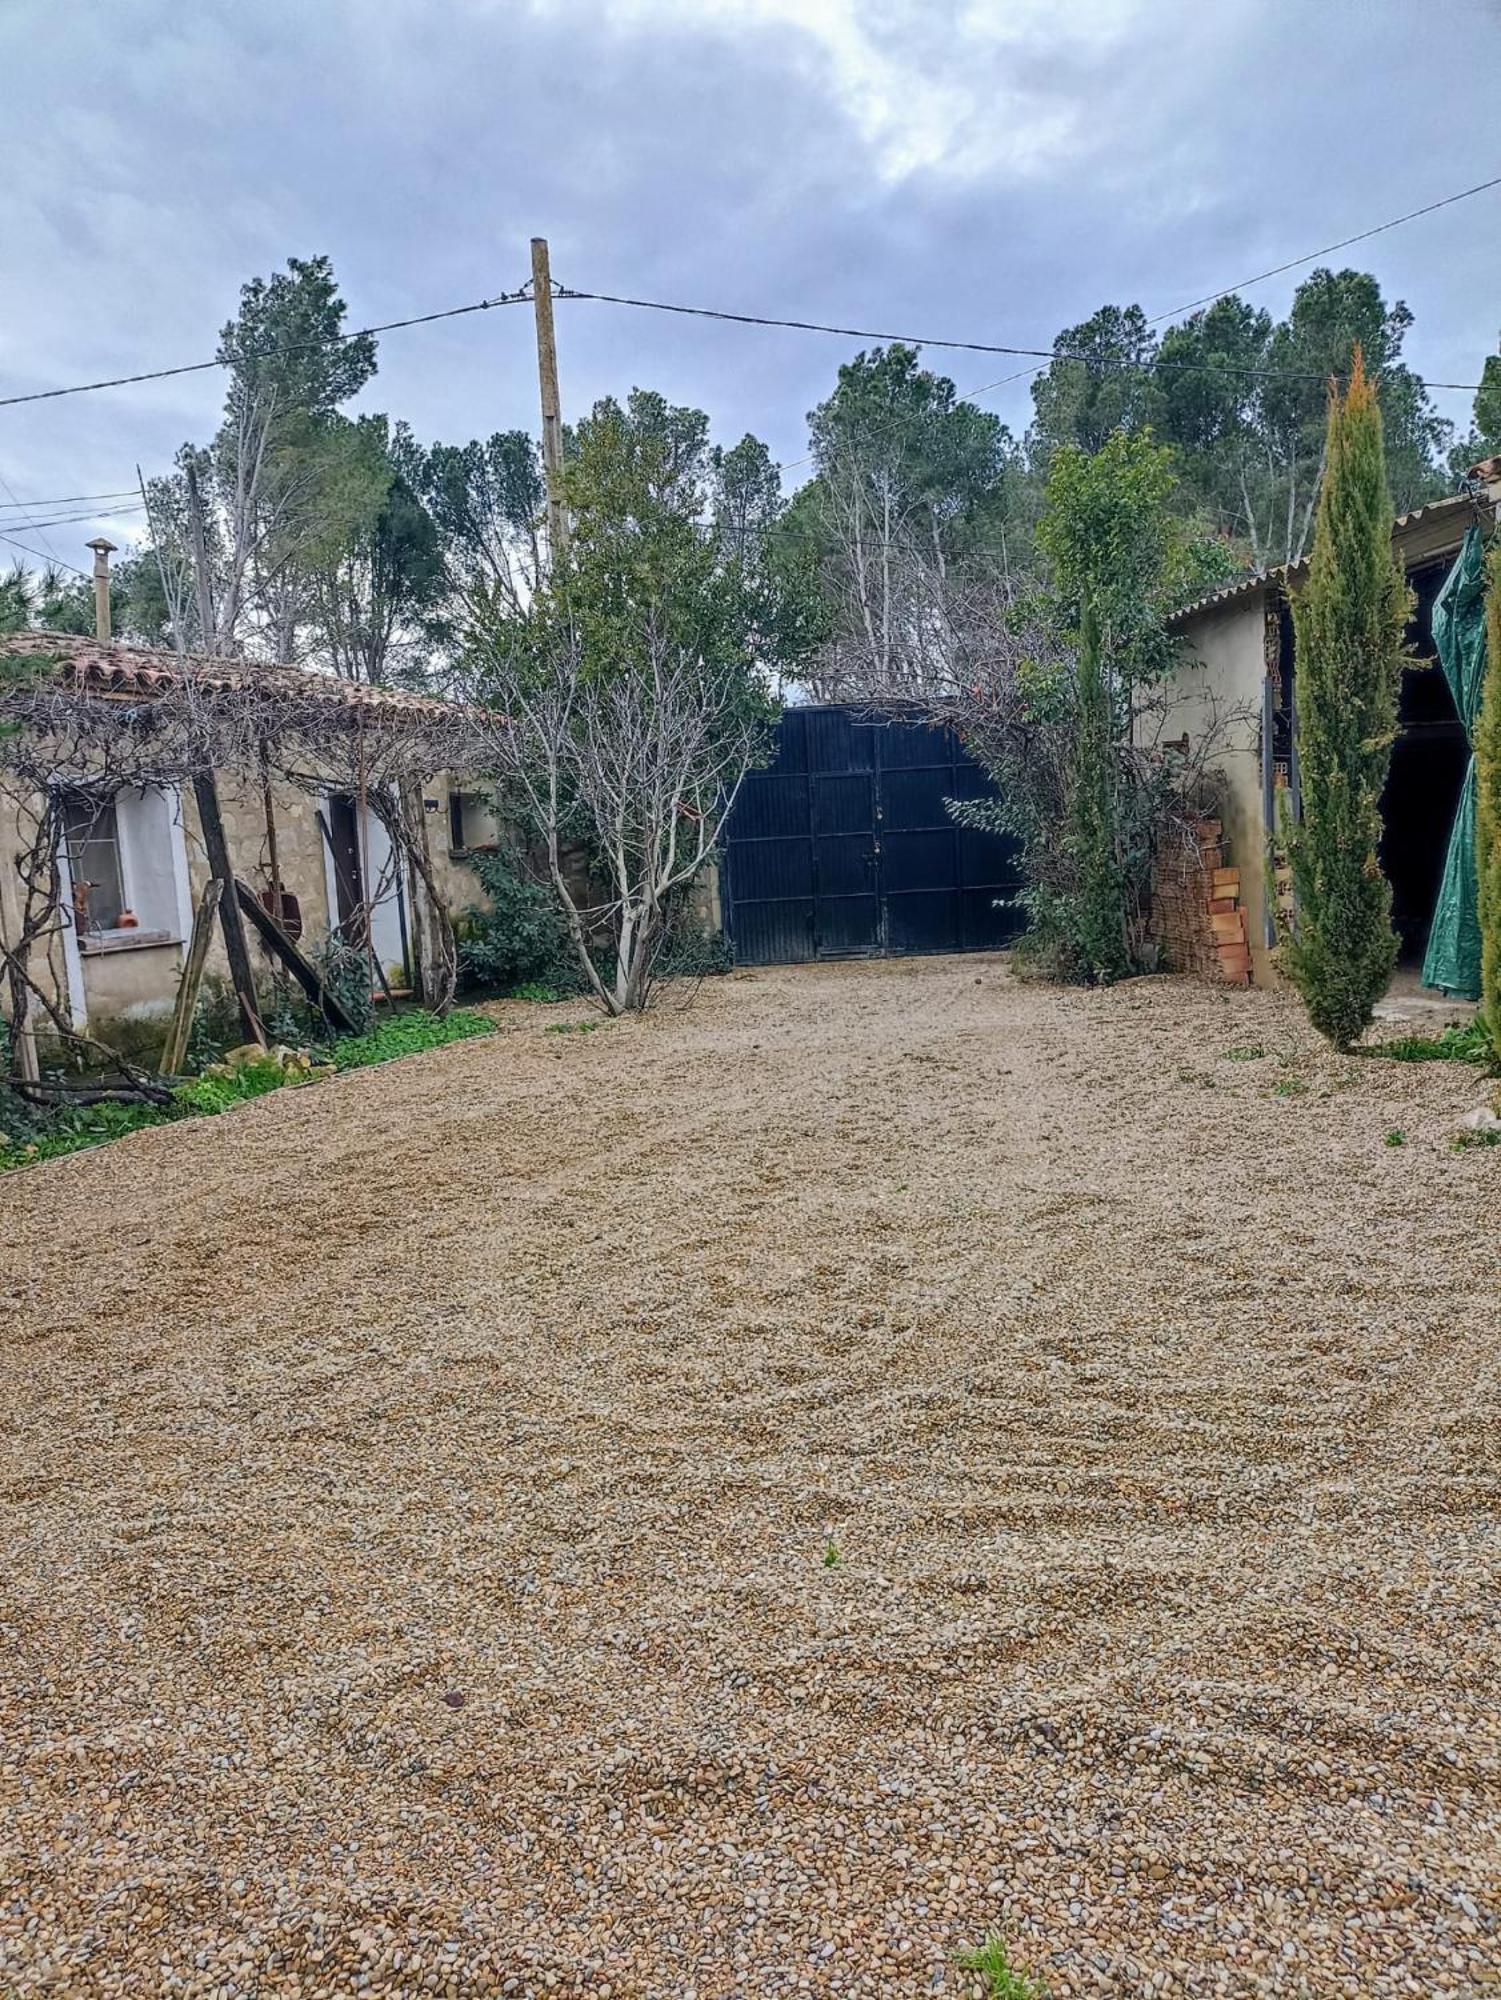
(552, 413)
(103, 550)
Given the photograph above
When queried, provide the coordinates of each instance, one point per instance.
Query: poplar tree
(1349, 618)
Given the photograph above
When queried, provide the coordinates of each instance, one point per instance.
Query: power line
(71, 520)
(1361, 236)
(47, 562)
(1048, 354)
(68, 499)
(288, 347)
(1243, 284)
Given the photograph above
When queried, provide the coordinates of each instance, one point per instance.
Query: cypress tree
(1488, 810)
(1349, 620)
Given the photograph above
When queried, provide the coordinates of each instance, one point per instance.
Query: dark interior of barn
(1429, 759)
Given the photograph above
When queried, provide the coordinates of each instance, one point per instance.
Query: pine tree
(1488, 811)
(1349, 619)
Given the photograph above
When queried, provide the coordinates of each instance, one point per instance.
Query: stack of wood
(1198, 919)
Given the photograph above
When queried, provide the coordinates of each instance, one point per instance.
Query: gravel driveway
(750, 1501)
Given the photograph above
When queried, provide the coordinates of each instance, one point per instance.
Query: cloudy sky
(984, 169)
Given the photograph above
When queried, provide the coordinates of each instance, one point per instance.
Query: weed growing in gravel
(1488, 1136)
(831, 1556)
(1396, 1137)
(1251, 1052)
(572, 1027)
(1290, 1086)
(1003, 1980)
(1469, 1044)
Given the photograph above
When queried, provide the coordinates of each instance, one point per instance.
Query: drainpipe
(103, 550)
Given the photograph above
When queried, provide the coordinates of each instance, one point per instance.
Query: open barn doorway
(1429, 760)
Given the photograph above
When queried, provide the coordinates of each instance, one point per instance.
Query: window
(456, 840)
(93, 838)
(126, 859)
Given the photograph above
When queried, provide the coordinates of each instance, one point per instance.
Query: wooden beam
(216, 847)
(175, 1048)
(302, 969)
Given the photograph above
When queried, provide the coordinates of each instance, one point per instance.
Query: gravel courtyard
(751, 1501)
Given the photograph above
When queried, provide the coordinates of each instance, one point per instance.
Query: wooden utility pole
(552, 410)
(103, 550)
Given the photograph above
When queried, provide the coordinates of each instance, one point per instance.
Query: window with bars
(92, 831)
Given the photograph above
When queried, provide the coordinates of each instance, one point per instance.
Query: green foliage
(1115, 540)
(1350, 617)
(1470, 1044)
(1003, 1980)
(1093, 833)
(909, 479)
(1395, 1137)
(1488, 800)
(373, 562)
(24, 1143)
(407, 1034)
(521, 940)
(831, 1556)
(1241, 398)
(1057, 733)
(1487, 435)
(1486, 1137)
(1101, 382)
(658, 549)
(486, 500)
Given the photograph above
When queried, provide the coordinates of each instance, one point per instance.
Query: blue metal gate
(843, 847)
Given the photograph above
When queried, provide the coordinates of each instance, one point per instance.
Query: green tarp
(1452, 963)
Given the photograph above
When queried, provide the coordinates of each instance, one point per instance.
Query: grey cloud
(156, 156)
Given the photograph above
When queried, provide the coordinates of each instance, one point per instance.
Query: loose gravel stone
(750, 1501)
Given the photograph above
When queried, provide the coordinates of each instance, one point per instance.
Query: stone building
(134, 861)
(1235, 679)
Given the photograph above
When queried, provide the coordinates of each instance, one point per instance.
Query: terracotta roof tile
(116, 668)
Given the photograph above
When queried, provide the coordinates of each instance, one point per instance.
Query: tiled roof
(1283, 573)
(117, 669)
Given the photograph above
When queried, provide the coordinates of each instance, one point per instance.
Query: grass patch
(1470, 1044)
(1396, 1137)
(407, 1035)
(1488, 1135)
(1291, 1086)
(1251, 1052)
(224, 1086)
(1003, 1980)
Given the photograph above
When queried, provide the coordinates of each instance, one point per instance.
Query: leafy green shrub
(405, 1035)
(521, 940)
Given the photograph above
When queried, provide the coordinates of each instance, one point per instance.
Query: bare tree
(643, 765)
